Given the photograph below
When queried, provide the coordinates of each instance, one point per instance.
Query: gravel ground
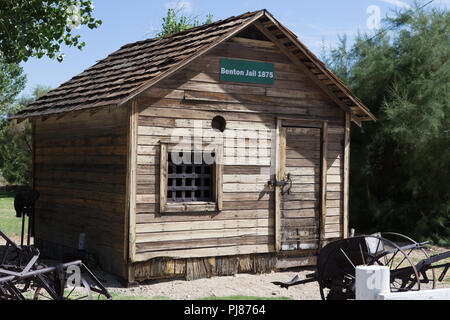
(253, 285)
(249, 285)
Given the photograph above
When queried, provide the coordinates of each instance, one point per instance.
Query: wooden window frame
(191, 206)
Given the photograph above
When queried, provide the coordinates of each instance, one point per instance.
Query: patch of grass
(160, 298)
(245, 298)
(125, 297)
(118, 296)
(81, 295)
(9, 224)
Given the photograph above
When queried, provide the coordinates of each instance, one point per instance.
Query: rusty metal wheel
(83, 292)
(337, 266)
(416, 254)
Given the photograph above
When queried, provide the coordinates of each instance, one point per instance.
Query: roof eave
(359, 113)
(367, 115)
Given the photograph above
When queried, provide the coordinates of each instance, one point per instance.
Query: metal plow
(411, 269)
(23, 277)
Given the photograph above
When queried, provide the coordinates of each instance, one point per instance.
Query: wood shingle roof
(137, 66)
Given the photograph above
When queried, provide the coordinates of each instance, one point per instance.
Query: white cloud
(185, 6)
(398, 3)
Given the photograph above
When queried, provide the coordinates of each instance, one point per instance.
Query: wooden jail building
(217, 150)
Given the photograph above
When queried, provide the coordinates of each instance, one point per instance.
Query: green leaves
(12, 81)
(15, 143)
(176, 22)
(30, 28)
(400, 165)
(15, 153)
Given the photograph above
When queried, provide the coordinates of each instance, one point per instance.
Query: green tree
(15, 143)
(400, 165)
(31, 28)
(175, 22)
(12, 82)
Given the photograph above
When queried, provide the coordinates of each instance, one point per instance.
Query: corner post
(323, 184)
(131, 179)
(346, 176)
(277, 177)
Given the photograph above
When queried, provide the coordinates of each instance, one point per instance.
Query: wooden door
(302, 200)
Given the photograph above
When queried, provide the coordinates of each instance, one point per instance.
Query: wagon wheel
(337, 279)
(417, 254)
(83, 293)
(403, 272)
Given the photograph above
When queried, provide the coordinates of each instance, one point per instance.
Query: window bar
(202, 181)
(183, 181)
(192, 179)
(174, 182)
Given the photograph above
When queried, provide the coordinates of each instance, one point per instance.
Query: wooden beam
(33, 170)
(163, 176)
(131, 179)
(219, 178)
(295, 262)
(301, 122)
(282, 169)
(346, 176)
(281, 164)
(301, 66)
(356, 120)
(323, 184)
(277, 189)
(206, 252)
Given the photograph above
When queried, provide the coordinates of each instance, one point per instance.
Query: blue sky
(314, 22)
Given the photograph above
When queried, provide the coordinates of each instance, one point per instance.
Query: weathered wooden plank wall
(300, 209)
(80, 172)
(246, 224)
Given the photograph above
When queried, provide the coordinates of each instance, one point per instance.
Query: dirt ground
(249, 285)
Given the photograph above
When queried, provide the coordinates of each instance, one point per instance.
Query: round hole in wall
(219, 123)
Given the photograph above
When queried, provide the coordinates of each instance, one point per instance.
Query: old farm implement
(24, 277)
(410, 266)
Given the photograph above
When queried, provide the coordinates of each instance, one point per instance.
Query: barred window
(189, 181)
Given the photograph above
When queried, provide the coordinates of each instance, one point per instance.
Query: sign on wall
(246, 71)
